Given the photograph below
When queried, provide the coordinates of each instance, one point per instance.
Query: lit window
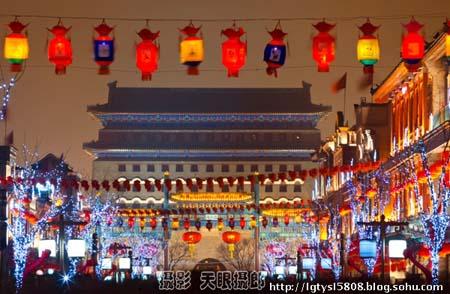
(297, 188)
(194, 168)
(297, 167)
(283, 168)
(179, 168)
(209, 168)
(136, 168)
(283, 188)
(122, 167)
(240, 168)
(268, 168)
(269, 188)
(254, 168)
(150, 167)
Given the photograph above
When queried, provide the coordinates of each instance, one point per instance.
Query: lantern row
(234, 50)
(189, 182)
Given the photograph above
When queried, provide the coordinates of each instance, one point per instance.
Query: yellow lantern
(447, 41)
(16, 46)
(175, 224)
(220, 224)
(368, 48)
(323, 232)
(253, 222)
(191, 49)
(297, 219)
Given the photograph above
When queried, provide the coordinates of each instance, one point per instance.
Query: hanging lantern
(60, 49)
(130, 222)
(297, 219)
(264, 222)
(231, 238)
(198, 224)
(191, 238)
(186, 224)
(153, 223)
(345, 209)
(368, 48)
(231, 223)
(286, 220)
(367, 248)
(234, 51)
(191, 49)
(323, 46)
(147, 54)
(142, 223)
(413, 45)
(175, 224)
(242, 223)
(371, 193)
(275, 51)
(423, 252)
(103, 48)
(220, 224)
(275, 222)
(209, 225)
(16, 46)
(253, 222)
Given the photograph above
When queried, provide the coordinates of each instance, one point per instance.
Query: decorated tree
(433, 214)
(243, 257)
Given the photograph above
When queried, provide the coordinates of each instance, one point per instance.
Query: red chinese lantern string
(323, 46)
(60, 49)
(147, 54)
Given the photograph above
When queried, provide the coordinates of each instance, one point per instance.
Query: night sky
(48, 112)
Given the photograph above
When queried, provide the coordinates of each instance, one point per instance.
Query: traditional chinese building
(206, 133)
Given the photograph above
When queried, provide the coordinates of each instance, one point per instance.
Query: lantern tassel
(192, 71)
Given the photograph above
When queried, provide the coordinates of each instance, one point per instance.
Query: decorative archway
(209, 264)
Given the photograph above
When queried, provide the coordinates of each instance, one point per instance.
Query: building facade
(205, 133)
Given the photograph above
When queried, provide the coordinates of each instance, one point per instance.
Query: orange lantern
(253, 222)
(153, 223)
(220, 224)
(147, 54)
(103, 48)
(142, 223)
(16, 46)
(191, 49)
(191, 238)
(234, 51)
(323, 46)
(175, 224)
(413, 45)
(231, 238)
(60, 49)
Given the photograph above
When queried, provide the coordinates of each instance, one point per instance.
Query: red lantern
(16, 46)
(234, 51)
(147, 54)
(191, 238)
(413, 45)
(286, 220)
(264, 222)
(60, 49)
(191, 49)
(131, 222)
(323, 46)
(242, 223)
(275, 51)
(153, 223)
(186, 224)
(103, 48)
(231, 238)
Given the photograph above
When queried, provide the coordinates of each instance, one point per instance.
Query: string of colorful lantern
(234, 51)
(149, 185)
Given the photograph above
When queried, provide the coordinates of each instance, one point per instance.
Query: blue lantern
(367, 248)
(103, 48)
(275, 51)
